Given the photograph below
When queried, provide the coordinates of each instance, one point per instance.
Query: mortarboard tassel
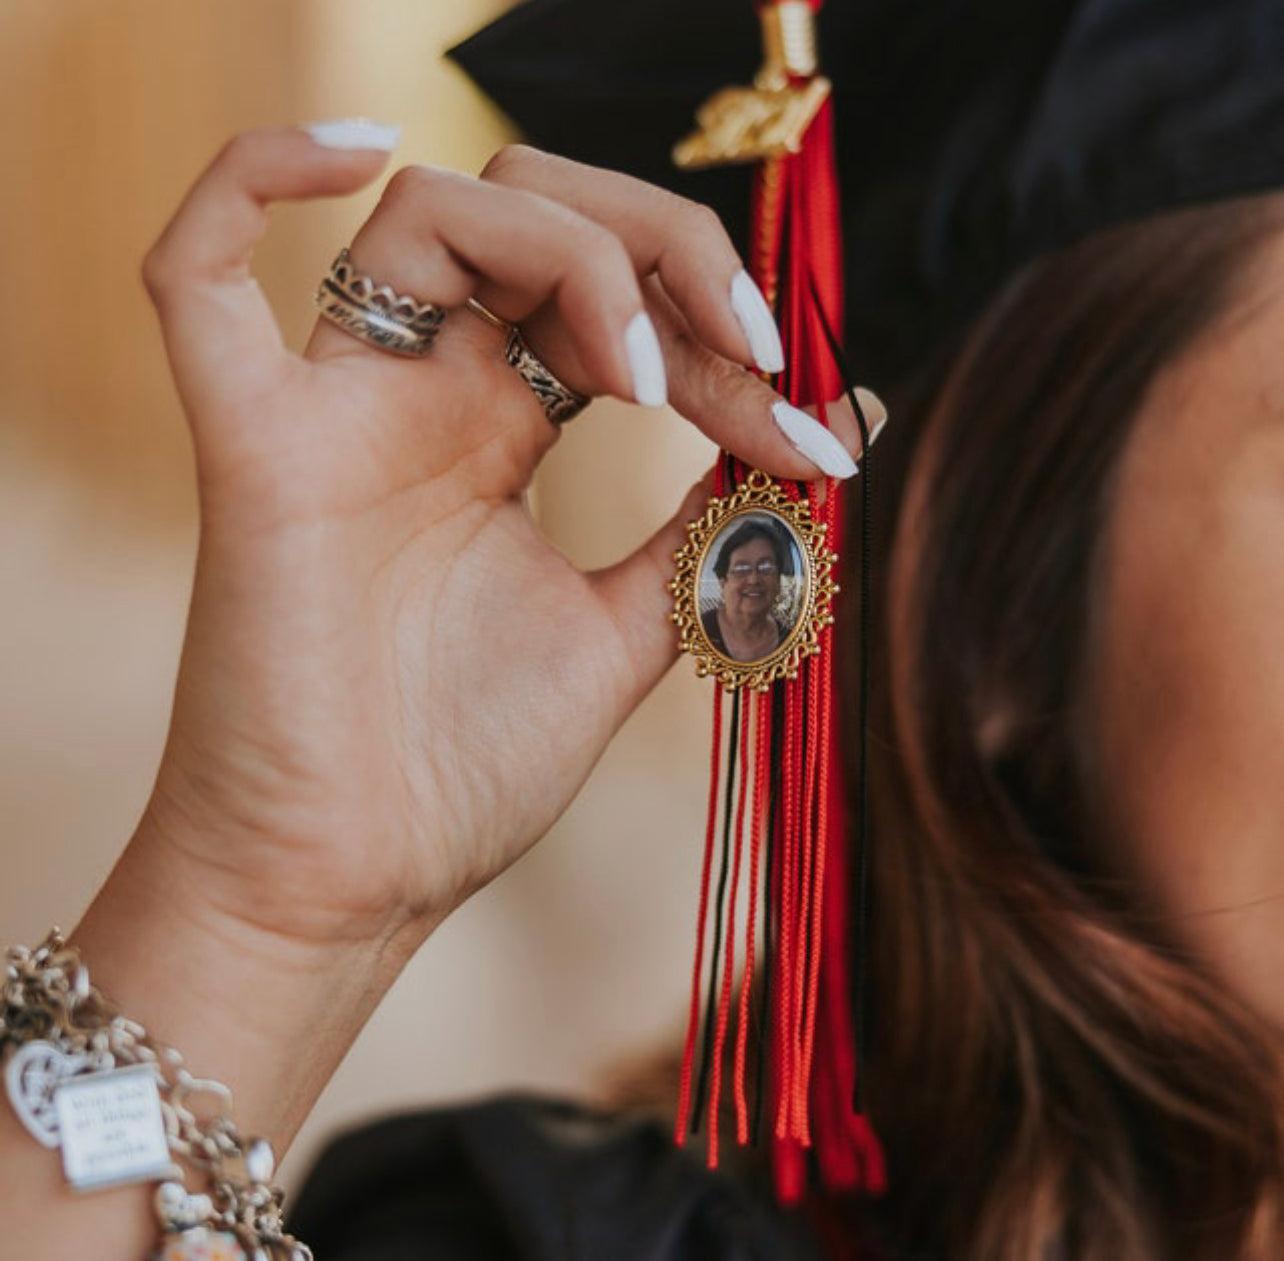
(775, 762)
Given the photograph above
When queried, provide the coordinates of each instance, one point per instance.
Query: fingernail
(871, 406)
(354, 133)
(811, 439)
(646, 362)
(759, 324)
(874, 409)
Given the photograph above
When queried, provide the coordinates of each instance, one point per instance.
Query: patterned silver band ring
(559, 401)
(375, 313)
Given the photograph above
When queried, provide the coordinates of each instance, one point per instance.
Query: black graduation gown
(521, 1179)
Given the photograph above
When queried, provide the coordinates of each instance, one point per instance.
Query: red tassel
(810, 1042)
(817, 1071)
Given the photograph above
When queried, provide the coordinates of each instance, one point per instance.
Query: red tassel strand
(762, 770)
(711, 831)
(786, 996)
(728, 976)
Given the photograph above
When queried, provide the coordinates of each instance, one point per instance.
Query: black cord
(861, 927)
(710, 1014)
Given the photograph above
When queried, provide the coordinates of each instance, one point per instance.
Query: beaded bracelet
(86, 1079)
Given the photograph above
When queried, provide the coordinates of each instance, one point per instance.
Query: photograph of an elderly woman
(750, 602)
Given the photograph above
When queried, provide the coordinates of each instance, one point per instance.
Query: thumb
(636, 594)
(219, 331)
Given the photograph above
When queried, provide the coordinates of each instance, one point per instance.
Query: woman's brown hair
(1052, 1076)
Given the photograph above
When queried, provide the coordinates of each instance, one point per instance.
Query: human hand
(391, 683)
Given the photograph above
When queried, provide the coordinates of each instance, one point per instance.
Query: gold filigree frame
(758, 495)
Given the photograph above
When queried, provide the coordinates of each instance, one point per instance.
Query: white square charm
(111, 1128)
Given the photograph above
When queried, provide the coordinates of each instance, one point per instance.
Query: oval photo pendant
(754, 586)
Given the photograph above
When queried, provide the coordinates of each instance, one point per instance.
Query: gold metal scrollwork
(769, 119)
(751, 125)
(796, 582)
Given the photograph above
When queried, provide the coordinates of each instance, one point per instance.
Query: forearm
(269, 1017)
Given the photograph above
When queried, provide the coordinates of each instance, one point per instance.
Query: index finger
(681, 241)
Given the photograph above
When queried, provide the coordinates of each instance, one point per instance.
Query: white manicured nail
(755, 318)
(811, 439)
(871, 405)
(874, 409)
(646, 362)
(354, 133)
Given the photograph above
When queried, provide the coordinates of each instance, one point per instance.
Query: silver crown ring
(375, 313)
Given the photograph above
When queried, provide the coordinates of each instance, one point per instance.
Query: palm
(431, 679)
(543, 675)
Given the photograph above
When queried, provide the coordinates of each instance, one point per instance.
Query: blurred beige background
(580, 954)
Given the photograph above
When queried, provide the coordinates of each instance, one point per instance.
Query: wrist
(266, 1015)
(290, 861)
(286, 854)
(266, 1011)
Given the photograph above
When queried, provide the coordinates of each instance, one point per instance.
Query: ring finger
(441, 237)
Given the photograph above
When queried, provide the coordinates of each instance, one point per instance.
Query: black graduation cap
(972, 134)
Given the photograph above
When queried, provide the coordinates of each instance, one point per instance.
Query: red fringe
(683, 1122)
(810, 1034)
(762, 771)
(728, 975)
